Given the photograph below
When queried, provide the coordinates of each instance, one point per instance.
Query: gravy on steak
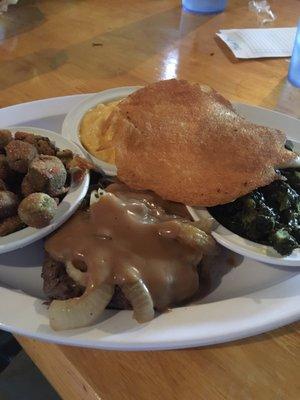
(126, 235)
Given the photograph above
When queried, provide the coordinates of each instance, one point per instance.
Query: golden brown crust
(186, 143)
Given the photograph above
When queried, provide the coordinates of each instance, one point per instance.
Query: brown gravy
(126, 235)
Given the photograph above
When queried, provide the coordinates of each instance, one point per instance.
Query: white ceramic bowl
(244, 246)
(71, 125)
(66, 208)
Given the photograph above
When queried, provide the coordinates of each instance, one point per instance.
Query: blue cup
(294, 70)
(204, 6)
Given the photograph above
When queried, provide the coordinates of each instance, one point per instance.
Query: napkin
(258, 43)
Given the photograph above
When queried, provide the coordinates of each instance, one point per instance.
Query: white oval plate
(71, 125)
(252, 297)
(65, 209)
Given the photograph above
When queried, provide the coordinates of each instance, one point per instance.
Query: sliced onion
(202, 219)
(96, 195)
(140, 298)
(81, 311)
(195, 237)
(77, 275)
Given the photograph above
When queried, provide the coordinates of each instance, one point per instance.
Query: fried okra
(19, 155)
(47, 174)
(5, 137)
(5, 171)
(32, 168)
(27, 187)
(11, 225)
(8, 204)
(37, 210)
(42, 144)
(3, 185)
(66, 156)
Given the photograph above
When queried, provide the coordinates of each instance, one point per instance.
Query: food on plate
(19, 155)
(34, 177)
(132, 244)
(5, 138)
(47, 174)
(57, 283)
(37, 210)
(8, 203)
(26, 186)
(66, 156)
(94, 134)
(269, 215)
(186, 143)
(11, 225)
(77, 167)
(5, 171)
(124, 249)
(42, 144)
(3, 185)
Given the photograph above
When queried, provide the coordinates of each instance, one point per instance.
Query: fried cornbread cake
(186, 142)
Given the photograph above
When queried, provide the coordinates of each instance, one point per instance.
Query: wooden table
(60, 47)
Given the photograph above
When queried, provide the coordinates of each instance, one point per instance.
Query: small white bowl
(244, 246)
(71, 125)
(66, 208)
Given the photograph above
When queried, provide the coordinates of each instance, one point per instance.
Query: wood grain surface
(262, 368)
(61, 47)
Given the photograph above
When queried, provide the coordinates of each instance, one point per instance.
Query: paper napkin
(258, 43)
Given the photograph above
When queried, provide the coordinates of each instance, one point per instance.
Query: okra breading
(19, 155)
(47, 174)
(37, 210)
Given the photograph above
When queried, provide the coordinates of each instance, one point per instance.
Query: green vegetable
(289, 145)
(280, 195)
(296, 234)
(293, 177)
(283, 242)
(269, 215)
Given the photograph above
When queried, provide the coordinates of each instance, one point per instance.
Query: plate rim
(227, 332)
